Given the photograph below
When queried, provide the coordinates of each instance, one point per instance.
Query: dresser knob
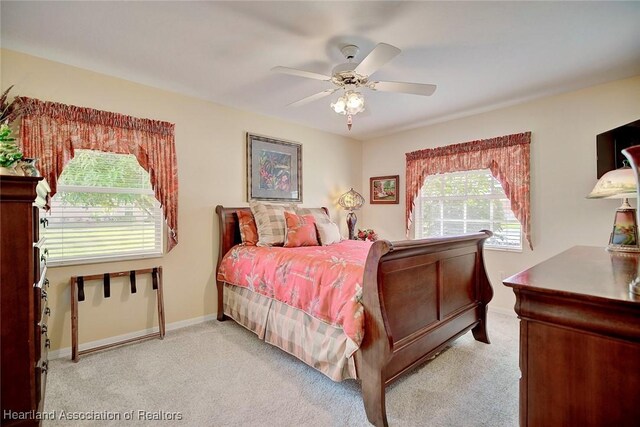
(45, 366)
(47, 311)
(44, 222)
(47, 343)
(46, 283)
(43, 295)
(43, 329)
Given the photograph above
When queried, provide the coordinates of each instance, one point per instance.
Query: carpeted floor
(219, 374)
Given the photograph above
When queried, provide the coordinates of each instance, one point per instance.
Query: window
(104, 210)
(466, 202)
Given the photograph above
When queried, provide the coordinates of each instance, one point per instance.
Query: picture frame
(384, 190)
(274, 169)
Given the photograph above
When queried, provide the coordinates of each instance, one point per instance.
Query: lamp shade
(340, 106)
(615, 184)
(351, 200)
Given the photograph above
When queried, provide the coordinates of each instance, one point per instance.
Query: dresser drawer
(42, 341)
(45, 342)
(40, 295)
(40, 256)
(45, 313)
(42, 349)
(41, 381)
(41, 314)
(43, 318)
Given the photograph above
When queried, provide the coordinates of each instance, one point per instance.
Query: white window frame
(159, 226)
(464, 197)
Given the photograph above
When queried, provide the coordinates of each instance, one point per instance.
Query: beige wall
(563, 169)
(210, 142)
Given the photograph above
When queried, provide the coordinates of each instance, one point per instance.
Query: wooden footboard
(419, 295)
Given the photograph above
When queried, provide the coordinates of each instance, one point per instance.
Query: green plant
(8, 110)
(9, 151)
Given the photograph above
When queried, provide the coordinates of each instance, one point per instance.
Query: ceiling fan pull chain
(349, 121)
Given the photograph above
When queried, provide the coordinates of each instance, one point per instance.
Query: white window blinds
(104, 210)
(465, 202)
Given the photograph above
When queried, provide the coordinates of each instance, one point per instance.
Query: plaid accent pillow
(248, 230)
(318, 213)
(301, 230)
(270, 223)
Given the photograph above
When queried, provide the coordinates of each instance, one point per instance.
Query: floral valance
(52, 131)
(507, 157)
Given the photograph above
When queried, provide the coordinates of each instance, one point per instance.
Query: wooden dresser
(23, 298)
(579, 340)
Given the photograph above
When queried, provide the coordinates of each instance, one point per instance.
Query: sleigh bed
(418, 296)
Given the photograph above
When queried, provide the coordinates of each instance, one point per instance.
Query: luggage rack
(77, 295)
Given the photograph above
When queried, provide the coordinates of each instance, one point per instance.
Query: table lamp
(633, 155)
(620, 184)
(351, 200)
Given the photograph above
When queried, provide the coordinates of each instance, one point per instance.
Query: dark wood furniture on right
(579, 340)
(418, 296)
(23, 305)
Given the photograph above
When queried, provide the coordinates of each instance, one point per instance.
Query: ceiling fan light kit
(351, 76)
(349, 104)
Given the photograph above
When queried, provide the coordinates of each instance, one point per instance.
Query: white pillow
(329, 233)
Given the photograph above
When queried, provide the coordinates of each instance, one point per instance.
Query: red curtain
(51, 132)
(507, 157)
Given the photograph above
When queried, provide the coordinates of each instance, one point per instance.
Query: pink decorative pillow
(248, 229)
(301, 230)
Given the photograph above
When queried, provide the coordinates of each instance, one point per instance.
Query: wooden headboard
(230, 230)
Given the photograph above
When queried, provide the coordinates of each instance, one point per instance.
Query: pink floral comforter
(323, 281)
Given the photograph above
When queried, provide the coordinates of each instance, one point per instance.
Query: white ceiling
(481, 55)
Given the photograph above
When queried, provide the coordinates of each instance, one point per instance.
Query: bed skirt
(318, 344)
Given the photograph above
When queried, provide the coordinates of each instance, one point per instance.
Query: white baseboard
(500, 310)
(66, 352)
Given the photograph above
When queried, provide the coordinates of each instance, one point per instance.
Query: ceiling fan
(351, 76)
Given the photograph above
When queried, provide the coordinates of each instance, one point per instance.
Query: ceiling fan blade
(411, 88)
(312, 98)
(380, 55)
(301, 73)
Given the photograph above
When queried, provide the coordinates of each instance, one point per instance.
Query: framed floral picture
(274, 169)
(384, 190)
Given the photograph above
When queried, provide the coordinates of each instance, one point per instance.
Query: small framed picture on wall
(384, 190)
